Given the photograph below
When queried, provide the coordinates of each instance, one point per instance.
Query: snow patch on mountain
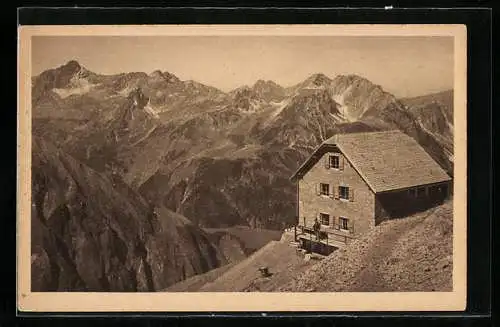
(450, 126)
(152, 112)
(254, 106)
(126, 91)
(338, 118)
(77, 87)
(277, 108)
(344, 110)
(79, 84)
(313, 87)
(448, 123)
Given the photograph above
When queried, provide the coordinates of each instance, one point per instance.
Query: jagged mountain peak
(73, 69)
(243, 88)
(265, 83)
(319, 76)
(351, 78)
(243, 91)
(68, 79)
(261, 82)
(318, 79)
(269, 90)
(356, 81)
(71, 65)
(314, 81)
(158, 75)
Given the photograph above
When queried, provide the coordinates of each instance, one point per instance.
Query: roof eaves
(296, 173)
(413, 186)
(308, 160)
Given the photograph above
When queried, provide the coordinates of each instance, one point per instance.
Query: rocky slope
(413, 254)
(443, 100)
(91, 232)
(434, 113)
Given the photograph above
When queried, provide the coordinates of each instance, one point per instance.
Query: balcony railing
(326, 235)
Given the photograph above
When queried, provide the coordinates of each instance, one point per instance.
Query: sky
(405, 66)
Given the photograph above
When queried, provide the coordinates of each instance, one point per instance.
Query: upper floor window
(344, 192)
(324, 189)
(334, 161)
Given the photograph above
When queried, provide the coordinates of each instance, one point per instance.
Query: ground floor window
(344, 223)
(325, 219)
(421, 191)
(418, 192)
(412, 192)
(443, 189)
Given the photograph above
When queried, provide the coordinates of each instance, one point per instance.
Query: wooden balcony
(328, 239)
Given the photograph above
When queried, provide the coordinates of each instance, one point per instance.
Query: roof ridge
(373, 132)
(361, 133)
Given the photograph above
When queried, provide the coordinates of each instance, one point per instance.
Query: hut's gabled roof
(388, 160)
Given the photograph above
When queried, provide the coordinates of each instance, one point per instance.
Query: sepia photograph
(182, 167)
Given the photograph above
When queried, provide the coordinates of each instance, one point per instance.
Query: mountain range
(203, 157)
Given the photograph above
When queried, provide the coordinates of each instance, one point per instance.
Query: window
(420, 191)
(335, 162)
(325, 219)
(344, 223)
(344, 192)
(412, 192)
(324, 189)
(443, 189)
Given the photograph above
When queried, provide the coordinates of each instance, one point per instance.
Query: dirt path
(369, 278)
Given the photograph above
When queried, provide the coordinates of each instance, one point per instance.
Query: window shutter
(341, 162)
(332, 222)
(351, 195)
(327, 161)
(336, 192)
(351, 226)
(318, 189)
(332, 191)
